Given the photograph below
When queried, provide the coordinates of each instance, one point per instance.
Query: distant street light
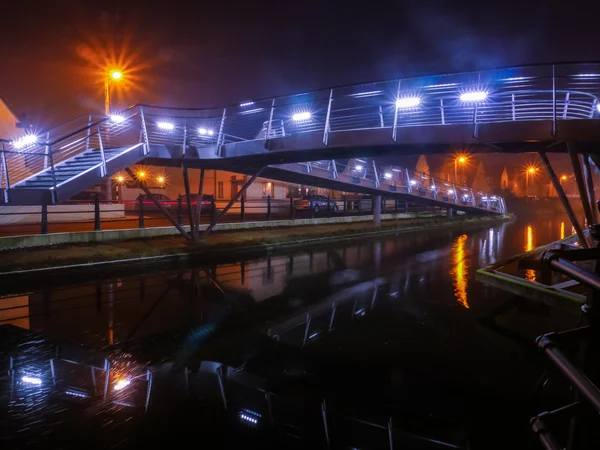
(531, 170)
(460, 159)
(113, 76)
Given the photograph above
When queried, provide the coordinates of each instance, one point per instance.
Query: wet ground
(352, 346)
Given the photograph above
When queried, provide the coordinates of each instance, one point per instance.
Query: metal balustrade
(531, 93)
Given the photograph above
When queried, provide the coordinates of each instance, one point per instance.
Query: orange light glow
(532, 170)
(564, 177)
(460, 270)
(116, 75)
(462, 160)
(562, 230)
(141, 174)
(529, 274)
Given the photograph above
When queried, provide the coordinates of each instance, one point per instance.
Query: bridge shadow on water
(382, 344)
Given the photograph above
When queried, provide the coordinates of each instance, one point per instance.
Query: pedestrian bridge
(309, 137)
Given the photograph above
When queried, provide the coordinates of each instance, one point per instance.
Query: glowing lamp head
(121, 384)
(120, 179)
(462, 159)
(598, 107)
(531, 170)
(564, 177)
(387, 176)
(116, 75)
(413, 182)
(473, 96)
(301, 116)
(450, 191)
(168, 126)
(160, 179)
(408, 102)
(117, 118)
(211, 132)
(25, 141)
(202, 131)
(359, 167)
(36, 381)
(141, 174)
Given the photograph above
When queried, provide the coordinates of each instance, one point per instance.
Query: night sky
(214, 53)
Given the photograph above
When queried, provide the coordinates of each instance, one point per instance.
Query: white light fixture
(387, 175)
(211, 132)
(28, 139)
(117, 118)
(31, 380)
(408, 102)
(450, 191)
(598, 107)
(300, 116)
(413, 182)
(165, 126)
(474, 96)
(358, 167)
(243, 105)
(202, 131)
(122, 384)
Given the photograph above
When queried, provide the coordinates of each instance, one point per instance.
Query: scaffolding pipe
(564, 200)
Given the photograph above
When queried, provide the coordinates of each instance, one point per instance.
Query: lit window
(267, 189)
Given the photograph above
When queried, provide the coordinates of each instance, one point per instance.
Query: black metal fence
(97, 215)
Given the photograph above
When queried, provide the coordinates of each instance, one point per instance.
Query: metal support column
(590, 186)
(377, 210)
(199, 205)
(145, 132)
(220, 136)
(564, 200)
(583, 194)
(394, 132)
(269, 125)
(160, 207)
(188, 199)
(103, 171)
(231, 203)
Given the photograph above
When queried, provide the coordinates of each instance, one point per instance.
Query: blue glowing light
(25, 141)
(165, 126)
(474, 96)
(387, 175)
(117, 118)
(408, 102)
(366, 94)
(598, 107)
(76, 394)
(31, 380)
(359, 167)
(243, 105)
(301, 116)
(249, 417)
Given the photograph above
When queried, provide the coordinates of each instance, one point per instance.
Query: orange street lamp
(564, 177)
(141, 174)
(531, 170)
(113, 76)
(460, 159)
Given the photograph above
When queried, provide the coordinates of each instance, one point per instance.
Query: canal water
(351, 345)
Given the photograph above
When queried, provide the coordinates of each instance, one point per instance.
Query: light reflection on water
(459, 272)
(529, 273)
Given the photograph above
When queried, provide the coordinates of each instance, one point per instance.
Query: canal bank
(19, 264)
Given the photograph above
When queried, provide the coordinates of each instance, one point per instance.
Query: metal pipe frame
(588, 390)
(581, 185)
(103, 171)
(220, 137)
(327, 125)
(158, 205)
(564, 200)
(231, 203)
(395, 127)
(590, 186)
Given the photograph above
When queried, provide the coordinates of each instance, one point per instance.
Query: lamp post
(458, 160)
(530, 171)
(114, 76)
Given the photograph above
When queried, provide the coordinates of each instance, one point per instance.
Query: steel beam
(231, 203)
(581, 186)
(160, 207)
(199, 204)
(563, 199)
(188, 199)
(590, 186)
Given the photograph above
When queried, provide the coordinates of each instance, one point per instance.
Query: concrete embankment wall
(30, 241)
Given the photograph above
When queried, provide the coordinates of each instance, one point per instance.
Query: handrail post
(268, 207)
(396, 112)
(184, 138)
(242, 208)
(141, 212)
(44, 219)
(268, 131)
(455, 194)
(435, 194)
(327, 125)
(408, 184)
(472, 197)
(5, 173)
(55, 193)
(145, 132)
(87, 139)
(220, 136)
(103, 172)
(377, 184)
(334, 167)
(46, 150)
(180, 210)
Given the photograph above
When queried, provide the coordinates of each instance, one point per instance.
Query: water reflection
(460, 270)
(529, 274)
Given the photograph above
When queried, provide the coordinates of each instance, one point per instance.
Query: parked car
(208, 203)
(315, 203)
(149, 204)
